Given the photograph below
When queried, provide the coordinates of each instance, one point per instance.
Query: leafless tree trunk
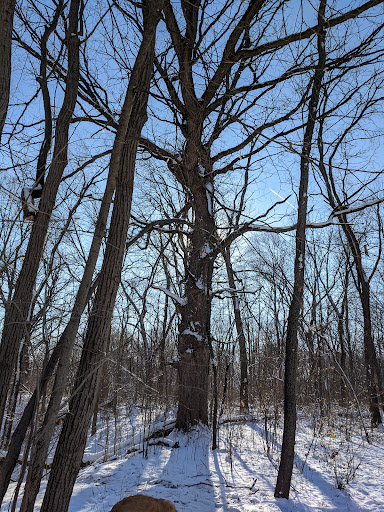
(7, 9)
(372, 365)
(203, 108)
(193, 345)
(166, 325)
(287, 450)
(194, 173)
(63, 350)
(17, 313)
(243, 399)
(73, 437)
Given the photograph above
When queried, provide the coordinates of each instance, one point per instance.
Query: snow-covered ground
(240, 475)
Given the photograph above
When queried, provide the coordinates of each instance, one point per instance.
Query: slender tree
(7, 9)
(17, 313)
(289, 433)
(73, 437)
(375, 385)
(243, 396)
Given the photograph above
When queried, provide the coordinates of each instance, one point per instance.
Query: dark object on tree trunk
(28, 204)
(27, 198)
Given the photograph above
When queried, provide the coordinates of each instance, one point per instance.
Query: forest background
(191, 215)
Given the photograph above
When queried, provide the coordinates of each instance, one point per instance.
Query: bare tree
(373, 370)
(17, 313)
(220, 109)
(7, 9)
(222, 97)
(287, 450)
(243, 396)
(69, 451)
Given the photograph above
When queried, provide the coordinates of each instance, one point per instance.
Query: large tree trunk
(69, 452)
(194, 173)
(289, 433)
(7, 9)
(17, 312)
(194, 327)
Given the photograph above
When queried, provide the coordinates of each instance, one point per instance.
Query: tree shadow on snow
(334, 500)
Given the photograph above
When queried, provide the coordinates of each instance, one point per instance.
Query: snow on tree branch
(249, 226)
(179, 300)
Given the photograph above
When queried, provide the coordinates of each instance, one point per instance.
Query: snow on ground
(240, 475)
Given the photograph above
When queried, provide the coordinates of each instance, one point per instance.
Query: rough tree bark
(289, 433)
(194, 172)
(7, 9)
(203, 105)
(63, 349)
(193, 341)
(69, 452)
(68, 337)
(17, 312)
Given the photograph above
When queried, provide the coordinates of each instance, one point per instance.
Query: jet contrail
(285, 200)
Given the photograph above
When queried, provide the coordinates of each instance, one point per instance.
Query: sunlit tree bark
(17, 313)
(69, 452)
(289, 433)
